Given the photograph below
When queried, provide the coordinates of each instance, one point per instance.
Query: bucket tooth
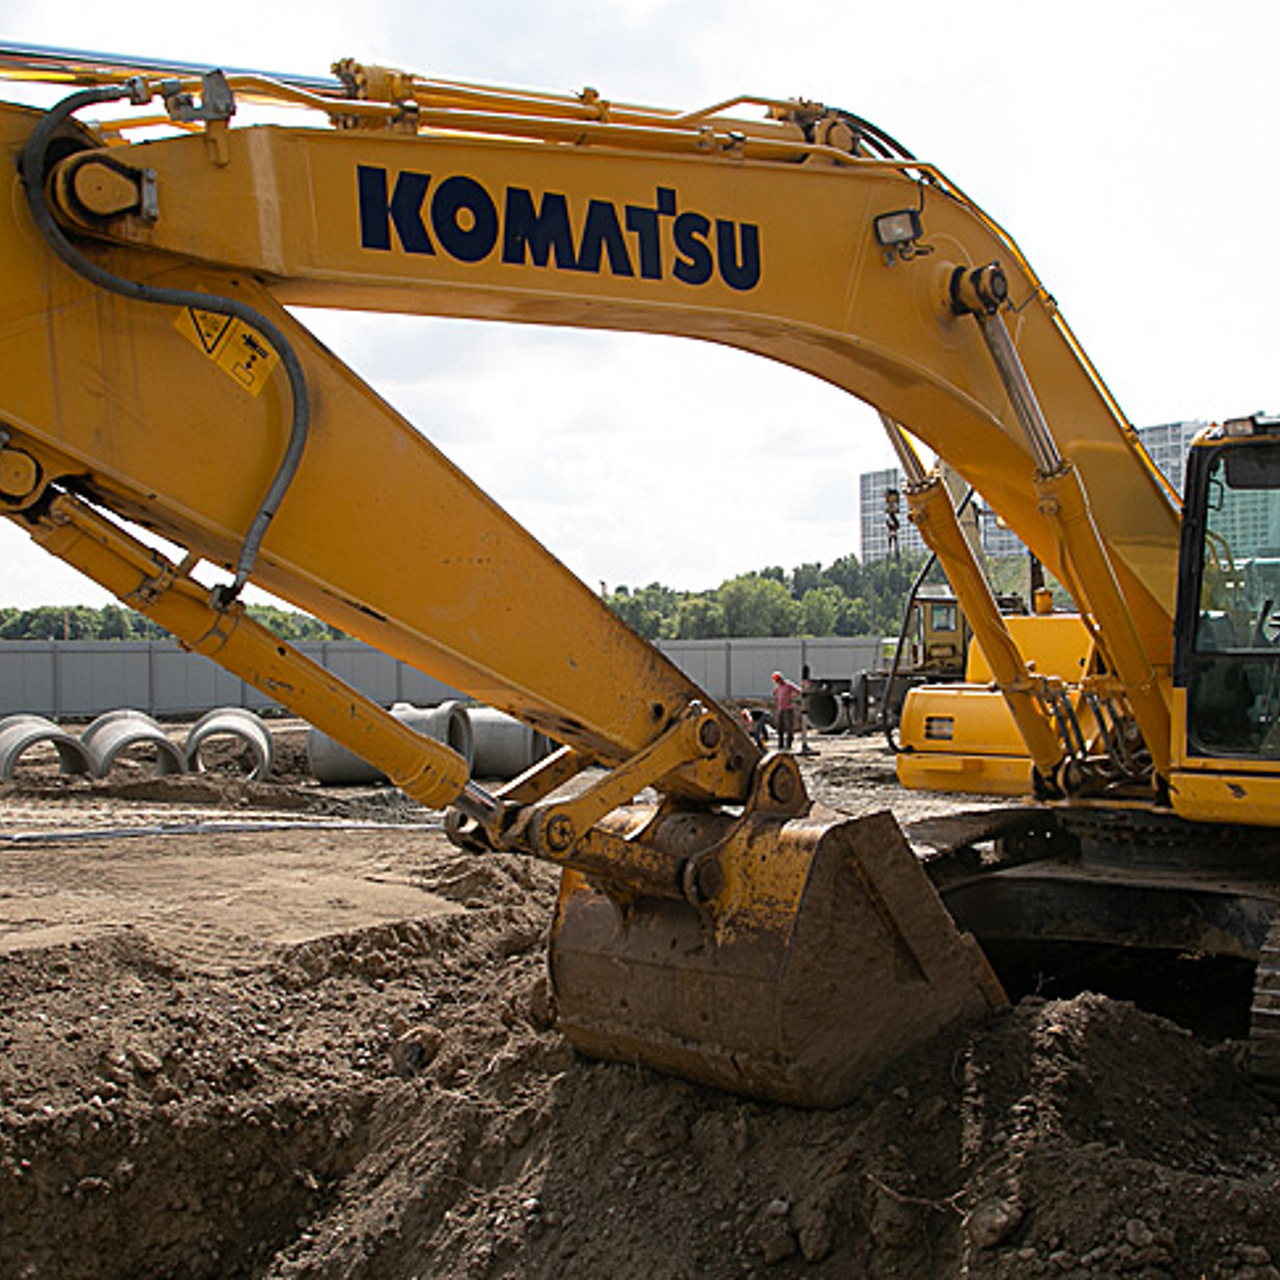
(824, 955)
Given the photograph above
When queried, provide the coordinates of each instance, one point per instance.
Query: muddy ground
(264, 1029)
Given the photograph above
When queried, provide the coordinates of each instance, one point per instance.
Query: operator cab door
(1227, 650)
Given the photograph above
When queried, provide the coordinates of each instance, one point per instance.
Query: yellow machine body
(154, 373)
(962, 737)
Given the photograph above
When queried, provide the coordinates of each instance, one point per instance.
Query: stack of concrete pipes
(101, 745)
(494, 745)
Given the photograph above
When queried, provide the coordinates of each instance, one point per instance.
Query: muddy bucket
(822, 955)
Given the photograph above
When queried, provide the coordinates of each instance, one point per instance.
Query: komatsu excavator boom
(734, 933)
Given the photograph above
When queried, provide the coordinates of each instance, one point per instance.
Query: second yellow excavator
(734, 932)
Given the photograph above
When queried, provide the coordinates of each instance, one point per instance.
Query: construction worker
(786, 703)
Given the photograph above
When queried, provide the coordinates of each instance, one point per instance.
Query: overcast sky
(1128, 147)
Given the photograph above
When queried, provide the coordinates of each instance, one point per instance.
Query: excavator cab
(1228, 625)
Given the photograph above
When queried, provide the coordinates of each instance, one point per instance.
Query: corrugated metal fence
(69, 679)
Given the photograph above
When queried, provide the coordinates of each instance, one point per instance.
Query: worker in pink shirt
(785, 704)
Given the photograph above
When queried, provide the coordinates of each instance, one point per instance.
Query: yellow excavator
(733, 932)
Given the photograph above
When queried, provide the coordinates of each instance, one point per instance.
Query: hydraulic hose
(33, 172)
(888, 147)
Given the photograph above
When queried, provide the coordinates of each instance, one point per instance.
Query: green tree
(846, 572)
(806, 578)
(52, 622)
(650, 610)
(291, 625)
(758, 605)
(114, 623)
(700, 617)
(820, 611)
(855, 618)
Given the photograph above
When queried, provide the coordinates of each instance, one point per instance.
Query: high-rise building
(1167, 445)
(878, 531)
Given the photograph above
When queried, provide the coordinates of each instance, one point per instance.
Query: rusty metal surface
(826, 955)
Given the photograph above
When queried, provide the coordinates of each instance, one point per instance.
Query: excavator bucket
(822, 955)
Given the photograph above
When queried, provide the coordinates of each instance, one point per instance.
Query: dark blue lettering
(644, 222)
(603, 232)
(471, 242)
(696, 265)
(539, 234)
(537, 229)
(403, 210)
(738, 272)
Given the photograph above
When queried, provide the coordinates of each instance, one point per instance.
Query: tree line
(115, 622)
(844, 598)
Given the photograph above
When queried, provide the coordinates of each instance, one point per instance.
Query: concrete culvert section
(33, 736)
(134, 735)
(333, 765)
(504, 746)
(827, 712)
(230, 740)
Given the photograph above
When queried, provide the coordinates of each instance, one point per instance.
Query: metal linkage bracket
(551, 830)
(217, 102)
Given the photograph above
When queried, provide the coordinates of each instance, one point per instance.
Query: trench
(211, 1192)
(1210, 996)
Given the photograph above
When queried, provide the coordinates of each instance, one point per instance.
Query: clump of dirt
(392, 1099)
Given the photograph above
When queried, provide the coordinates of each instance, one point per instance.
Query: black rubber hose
(33, 170)
(888, 146)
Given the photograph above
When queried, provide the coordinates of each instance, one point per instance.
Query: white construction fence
(74, 679)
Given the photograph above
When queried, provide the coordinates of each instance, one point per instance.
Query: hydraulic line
(887, 723)
(33, 171)
(915, 473)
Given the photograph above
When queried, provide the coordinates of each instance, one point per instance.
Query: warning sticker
(239, 351)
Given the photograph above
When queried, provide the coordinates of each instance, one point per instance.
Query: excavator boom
(733, 933)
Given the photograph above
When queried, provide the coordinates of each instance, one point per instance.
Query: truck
(159, 381)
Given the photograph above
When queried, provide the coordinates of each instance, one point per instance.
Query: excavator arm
(733, 934)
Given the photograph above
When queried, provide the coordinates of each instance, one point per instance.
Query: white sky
(1129, 147)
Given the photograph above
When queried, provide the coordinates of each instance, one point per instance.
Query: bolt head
(558, 833)
(782, 785)
(709, 879)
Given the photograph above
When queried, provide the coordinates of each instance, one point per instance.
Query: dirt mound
(982, 1156)
(396, 1103)
(255, 1056)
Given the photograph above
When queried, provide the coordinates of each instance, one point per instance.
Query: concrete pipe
(19, 733)
(116, 732)
(244, 728)
(828, 711)
(504, 746)
(333, 765)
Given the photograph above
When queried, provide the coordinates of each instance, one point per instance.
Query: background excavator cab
(1229, 617)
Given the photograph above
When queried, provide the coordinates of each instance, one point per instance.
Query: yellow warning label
(239, 351)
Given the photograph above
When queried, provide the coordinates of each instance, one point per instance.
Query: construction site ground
(269, 1029)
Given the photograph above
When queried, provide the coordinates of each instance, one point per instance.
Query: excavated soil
(260, 1029)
